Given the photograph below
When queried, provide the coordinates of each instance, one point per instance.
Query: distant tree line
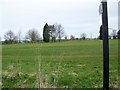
(51, 33)
(31, 36)
(83, 36)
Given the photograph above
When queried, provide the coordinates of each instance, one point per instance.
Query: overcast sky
(76, 16)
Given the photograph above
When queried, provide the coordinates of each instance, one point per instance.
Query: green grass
(71, 64)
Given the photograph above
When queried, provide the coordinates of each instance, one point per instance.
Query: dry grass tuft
(11, 68)
(81, 65)
(73, 74)
(11, 75)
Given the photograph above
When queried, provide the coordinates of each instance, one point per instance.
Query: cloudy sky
(76, 16)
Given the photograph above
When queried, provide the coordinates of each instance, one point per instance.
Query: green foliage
(67, 64)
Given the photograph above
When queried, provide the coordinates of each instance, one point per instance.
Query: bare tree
(83, 36)
(19, 36)
(10, 37)
(65, 37)
(33, 35)
(114, 34)
(59, 31)
(72, 37)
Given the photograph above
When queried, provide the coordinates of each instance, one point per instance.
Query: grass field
(66, 64)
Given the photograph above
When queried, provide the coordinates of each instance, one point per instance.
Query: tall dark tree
(100, 37)
(46, 33)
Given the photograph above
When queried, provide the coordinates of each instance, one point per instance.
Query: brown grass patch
(11, 67)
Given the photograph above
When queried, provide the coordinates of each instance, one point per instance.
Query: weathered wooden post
(105, 45)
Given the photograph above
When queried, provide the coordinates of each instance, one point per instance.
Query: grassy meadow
(65, 64)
